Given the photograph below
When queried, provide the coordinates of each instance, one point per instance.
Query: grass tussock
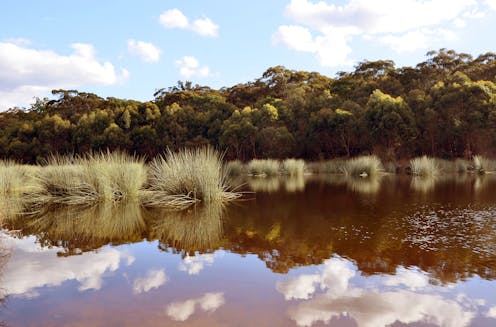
(264, 167)
(16, 179)
(104, 177)
(188, 176)
(482, 164)
(363, 166)
(424, 166)
(293, 167)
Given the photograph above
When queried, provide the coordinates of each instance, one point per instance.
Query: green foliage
(443, 107)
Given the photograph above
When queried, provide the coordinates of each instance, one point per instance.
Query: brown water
(307, 252)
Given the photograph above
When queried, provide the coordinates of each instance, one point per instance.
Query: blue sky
(128, 49)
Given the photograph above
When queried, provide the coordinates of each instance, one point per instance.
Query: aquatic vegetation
(363, 166)
(186, 177)
(266, 167)
(424, 166)
(293, 167)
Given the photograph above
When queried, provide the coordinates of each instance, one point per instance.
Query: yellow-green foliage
(293, 167)
(424, 166)
(362, 166)
(268, 167)
(188, 176)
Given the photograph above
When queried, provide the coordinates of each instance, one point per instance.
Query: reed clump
(179, 179)
(363, 166)
(264, 167)
(293, 167)
(424, 166)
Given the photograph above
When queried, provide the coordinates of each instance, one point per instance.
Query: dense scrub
(443, 107)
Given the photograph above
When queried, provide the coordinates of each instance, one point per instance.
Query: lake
(308, 251)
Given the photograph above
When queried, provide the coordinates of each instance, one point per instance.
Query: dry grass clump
(264, 167)
(16, 179)
(188, 176)
(424, 166)
(363, 166)
(482, 164)
(104, 177)
(293, 167)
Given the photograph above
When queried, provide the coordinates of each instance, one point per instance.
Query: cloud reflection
(209, 302)
(195, 264)
(368, 306)
(31, 266)
(153, 279)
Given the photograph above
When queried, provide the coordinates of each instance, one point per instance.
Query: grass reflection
(195, 229)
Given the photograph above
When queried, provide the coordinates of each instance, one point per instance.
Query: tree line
(443, 107)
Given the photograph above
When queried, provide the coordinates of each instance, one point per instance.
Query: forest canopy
(443, 107)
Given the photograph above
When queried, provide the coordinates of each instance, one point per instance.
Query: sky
(129, 49)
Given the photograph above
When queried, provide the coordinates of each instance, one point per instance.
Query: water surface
(298, 252)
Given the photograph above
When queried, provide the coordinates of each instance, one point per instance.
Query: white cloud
(147, 51)
(190, 67)
(153, 279)
(491, 4)
(205, 27)
(295, 37)
(328, 29)
(209, 302)
(174, 18)
(195, 264)
(26, 72)
(31, 267)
